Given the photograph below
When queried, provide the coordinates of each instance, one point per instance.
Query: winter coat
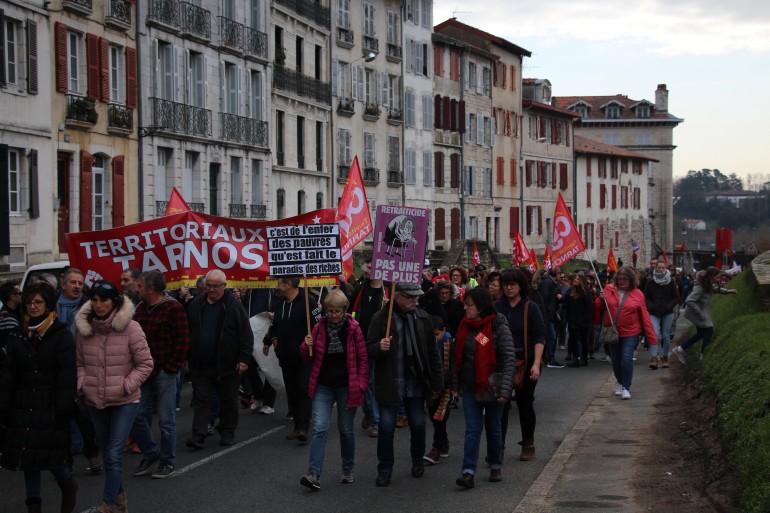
(113, 360)
(356, 355)
(385, 363)
(505, 355)
(698, 305)
(661, 299)
(37, 398)
(578, 311)
(634, 317)
(548, 289)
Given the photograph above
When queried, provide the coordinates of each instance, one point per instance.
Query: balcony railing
(371, 44)
(160, 208)
(84, 7)
(371, 111)
(395, 116)
(309, 9)
(259, 211)
(395, 178)
(120, 116)
(195, 20)
(371, 176)
(255, 42)
(302, 85)
(171, 116)
(119, 14)
(346, 107)
(244, 130)
(197, 207)
(230, 33)
(393, 52)
(345, 37)
(165, 12)
(237, 210)
(81, 109)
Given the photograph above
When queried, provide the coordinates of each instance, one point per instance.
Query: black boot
(69, 492)
(34, 505)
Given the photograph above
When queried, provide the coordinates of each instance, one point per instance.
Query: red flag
(476, 259)
(521, 251)
(547, 259)
(176, 203)
(534, 265)
(665, 258)
(566, 239)
(612, 264)
(353, 216)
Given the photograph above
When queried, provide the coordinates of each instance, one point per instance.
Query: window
(343, 147)
(164, 172)
(74, 53)
(116, 75)
(427, 12)
(256, 182)
(487, 183)
(167, 74)
(409, 106)
(438, 160)
(427, 168)
(472, 79)
(427, 112)
(319, 200)
(582, 111)
(368, 19)
(394, 154)
(11, 52)
(236, 181)
(280, 204)
(370, 150)
(254, 14)
(343, 14)
(300, 142)
(612, 112)
(319, 146)
(300, 202)
(602, 167)
(371, 96)
(411, 166)
(472, 132)
(279, 137)
(14, 180)
(469, 186)
(255, 99)
(191, 177)
(393, 29)
(229, 9)
(439, 223)
(643, 111)
(232, 88)
(98, 193)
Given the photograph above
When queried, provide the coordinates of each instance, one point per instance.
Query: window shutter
(453, 115)
(454, 170)
(118, 194)
(131, 78)
(2, 48)
(514, 220)
(60, 47)
(513, 172)
(104, 70)
(86, 191)
(34, 186)
(588, 195)
(479, 129)
(500, 170)
(92, 58)
(5, 229)
(461, 116)
(438, 163)
(446, 115)
(529, 221)
(541, 174)
(602, 196)
(455, 224)
(438, 121)
(553, 175)
(440, 230)
(601, 236)
(588, 166)
(539, 220)
(31, 57)
(563, 178)
(614, 197)
(528, 173)
(566, 133)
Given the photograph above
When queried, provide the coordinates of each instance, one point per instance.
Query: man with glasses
(407, 368)
(221, 343)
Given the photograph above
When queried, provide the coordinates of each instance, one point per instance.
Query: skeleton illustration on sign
(399, 236)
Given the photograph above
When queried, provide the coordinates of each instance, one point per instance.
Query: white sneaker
(625, 393)
(266, 410)
(619, 389)
(256, 405)
(679, 353)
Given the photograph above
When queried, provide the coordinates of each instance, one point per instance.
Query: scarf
(663, 278)
(37, 326)
(67, 308)
(485, 360)
(333, 342)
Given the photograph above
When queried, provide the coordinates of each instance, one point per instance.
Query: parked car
(35, 271)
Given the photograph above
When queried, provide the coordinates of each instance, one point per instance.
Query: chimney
(661, 98)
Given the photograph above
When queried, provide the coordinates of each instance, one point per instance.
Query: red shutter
(588, 195)
(500, 170)
(540, 220)
(514, 215)
(455, 224)
(513, 172)
(453, 115)
(461, 116)
(614, 197)
(553, 175)
(542, 175)
(505, 75)
(86, 191)
(563, 179)
(438, 164)
(60, 48)
(528, 173)
(437, 121)
(118, 194)
(513, 77)
(440, 224)
(528, 221)
(131, 78)
(602, 196)
(601, 236)
(588, 166)
(454, 171)
(92, 58)
(446, 115)
(104, 70)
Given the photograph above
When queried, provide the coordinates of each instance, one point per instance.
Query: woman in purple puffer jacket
(340, 374)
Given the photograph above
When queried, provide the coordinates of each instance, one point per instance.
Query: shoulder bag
(609, 334)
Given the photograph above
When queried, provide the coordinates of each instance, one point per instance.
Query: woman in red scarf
(484, 346)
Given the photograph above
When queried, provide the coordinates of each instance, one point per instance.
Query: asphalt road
(261, 472)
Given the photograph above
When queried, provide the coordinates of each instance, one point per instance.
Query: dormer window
(582, 110)
(612, 112)
(643, 111)
(546, 94)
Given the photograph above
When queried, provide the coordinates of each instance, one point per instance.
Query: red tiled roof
(452, 23)
(550, 108)
(528, 81)
(588, 146)
(596, 102)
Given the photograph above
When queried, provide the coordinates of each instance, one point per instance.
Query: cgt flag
(476, 259)
(353, 216)
(547, 259)
(566, 239)
(534, 265)
(612, 264)
(521, 254)
(176, 203)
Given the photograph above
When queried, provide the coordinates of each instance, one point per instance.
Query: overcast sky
(714, 56)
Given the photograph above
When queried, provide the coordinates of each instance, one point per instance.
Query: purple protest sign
(399, 243)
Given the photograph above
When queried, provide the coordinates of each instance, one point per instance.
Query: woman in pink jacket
(113, 360)
(340, 374)
(634, 319)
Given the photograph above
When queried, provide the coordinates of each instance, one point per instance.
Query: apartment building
(612, 195)
(639, 126)
(204, 109)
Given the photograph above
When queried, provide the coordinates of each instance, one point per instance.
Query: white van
(54, 268)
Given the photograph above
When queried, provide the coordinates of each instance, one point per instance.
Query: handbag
(609, 334)
(521, 365)
(492, 392)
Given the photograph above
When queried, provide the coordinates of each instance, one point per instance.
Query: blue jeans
(161, 388)
(370, 405)
(622, 356)
(662, 333)
(323, 402)
(112, 426)
(415, 414)
(478, 417)
(33, 482)
(550, 341)
(179, 385)
(700, 333)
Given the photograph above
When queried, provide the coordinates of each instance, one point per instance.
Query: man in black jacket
(221, 343)
(406, 367)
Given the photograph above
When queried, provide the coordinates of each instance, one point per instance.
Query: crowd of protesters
(84, 369)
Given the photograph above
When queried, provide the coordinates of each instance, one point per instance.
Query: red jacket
(634, 317)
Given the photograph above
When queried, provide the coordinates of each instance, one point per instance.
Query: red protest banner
(521, 252)
(187, 245)
(566, 239)
(353, 216)
(612, 264)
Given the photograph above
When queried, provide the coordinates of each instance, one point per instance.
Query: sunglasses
(103, 285)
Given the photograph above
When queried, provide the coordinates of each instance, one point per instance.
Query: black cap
(410, 289)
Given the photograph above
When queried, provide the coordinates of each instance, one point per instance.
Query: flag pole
(390, 308)
(307, 314)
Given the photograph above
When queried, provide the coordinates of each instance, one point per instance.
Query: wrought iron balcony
(345, 37)
(371, 176)
(371, 44)
(195, 21)
(395, 178)
(371, 112)
(310, 10)
(160, 208)
(259, 211)
(393, 53)
(120, 116)
(237, 210)
(197, 207)
(244, 130)
(83, 7)
(119, 14)
(395, 116)
(164, 12)
(302, 85)
(346, 107)
(180, 118)
(342, 173)
(230, 34)
(81, 110)
(255, 42)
